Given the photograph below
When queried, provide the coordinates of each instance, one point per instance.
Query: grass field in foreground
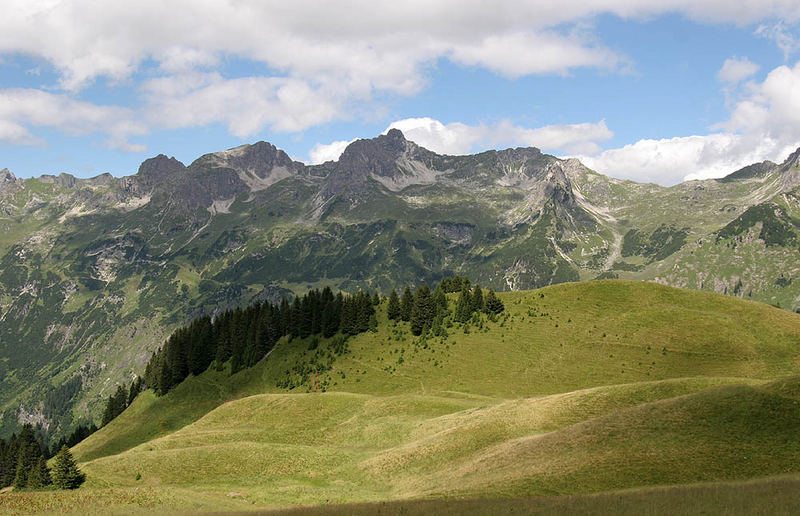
(581, 388)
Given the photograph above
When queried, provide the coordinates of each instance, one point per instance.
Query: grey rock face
(6, 176)
(160, 170)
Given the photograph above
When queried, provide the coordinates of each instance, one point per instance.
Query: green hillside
(95, 273)
(576, 388)
(553, 340)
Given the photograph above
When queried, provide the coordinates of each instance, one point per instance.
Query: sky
(655, 91)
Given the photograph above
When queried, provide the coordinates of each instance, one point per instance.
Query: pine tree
(493, 303)
(406, 304)
(66, 474)
(4, 450)
(39, 475)
(349, 321)
(28, 453)
(463, 305)
(330, 320)
(477, 299)
(440, 301)
(136, 388)
(117, 403)
(422, 312)
(393, 307)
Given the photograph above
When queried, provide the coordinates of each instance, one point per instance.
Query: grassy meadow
(576, 389)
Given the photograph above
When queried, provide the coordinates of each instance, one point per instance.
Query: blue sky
(652, 91)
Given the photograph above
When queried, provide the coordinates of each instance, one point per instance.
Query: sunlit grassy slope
(581, 388)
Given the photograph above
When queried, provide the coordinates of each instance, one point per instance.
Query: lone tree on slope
(66, 474)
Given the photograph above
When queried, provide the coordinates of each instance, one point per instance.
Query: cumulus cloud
(381, 45)
(314, 70)
(771, 108)
(21, 109)
(322, 152)
(246, 105)
(672, 160)
(456, 138)
(519, 54)
(735, 70)
(764, 124)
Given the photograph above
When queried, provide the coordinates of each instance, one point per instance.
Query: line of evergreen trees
(244, 336)
(426, 311)
(23, 461)
(23, 464)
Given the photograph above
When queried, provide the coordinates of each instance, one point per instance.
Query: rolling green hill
(577, 388)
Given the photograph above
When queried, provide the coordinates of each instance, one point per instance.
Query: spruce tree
(39, 475)
(393, 308)
(28, 453)
(493, 303)
(136, 388)
(422, 311)
(440, 301)
(4, 450)
(117, 403)
(330, 320)
(477, 299)
(463, 305)
(406, 304)
(66, 474)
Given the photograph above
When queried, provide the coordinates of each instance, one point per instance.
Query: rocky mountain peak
(750, 171)
(258, 159)
(376, 155)
(518, 154)
(793, 160)
(159, 169)
(6, 176)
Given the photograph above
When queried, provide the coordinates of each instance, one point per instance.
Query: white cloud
(672, 160)
(384, 46)
(771, 108)
(21, 109)
(246, 105)
(318, 63)
(328, 152)
(456, 138)
(764, 124)
(783, 37)
(735, 70)
(519, 54)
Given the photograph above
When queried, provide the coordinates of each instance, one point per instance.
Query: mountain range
(95, 273)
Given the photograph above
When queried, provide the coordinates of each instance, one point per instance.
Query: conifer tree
(39, 475)
(4, 452)
(393, 307)
(136, 388)
(463, 305)
(406, 304)
(117, 403)
(493, 303)
(422, 311)
(477, 299)
(330, 320)
(66, 474)
(440, 301)
(28, 453)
